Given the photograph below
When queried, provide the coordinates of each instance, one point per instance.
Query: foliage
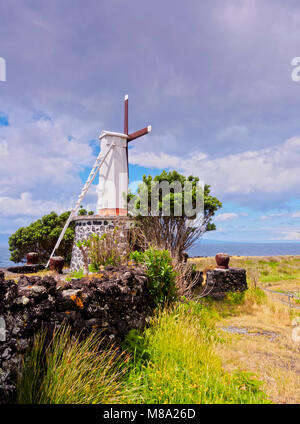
(40, 236)
(75, 274)
(83, 211)
(70, 370)
(181, 365)
(235, 298)
(135, 344)
(111, 248)
(161, 275)
(161, 217)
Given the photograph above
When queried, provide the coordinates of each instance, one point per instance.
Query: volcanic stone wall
(219, 281)
(112, 302)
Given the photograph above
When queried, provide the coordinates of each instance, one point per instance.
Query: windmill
(112, 165)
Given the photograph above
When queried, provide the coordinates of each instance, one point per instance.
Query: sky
(213, 78)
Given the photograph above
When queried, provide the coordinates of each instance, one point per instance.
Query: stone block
(221, 281)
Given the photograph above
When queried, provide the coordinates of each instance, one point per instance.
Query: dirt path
(260, 341)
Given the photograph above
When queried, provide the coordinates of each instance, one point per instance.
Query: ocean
(209, 248)
(4, 257)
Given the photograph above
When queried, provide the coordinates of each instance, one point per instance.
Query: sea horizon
(275, 248)
(208, 248)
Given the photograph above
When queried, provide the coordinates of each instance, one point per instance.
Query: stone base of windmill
(86, 225)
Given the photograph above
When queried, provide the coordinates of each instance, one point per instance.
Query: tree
(40, 236)
(161, 216)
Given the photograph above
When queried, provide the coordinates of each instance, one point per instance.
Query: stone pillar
(225, 280)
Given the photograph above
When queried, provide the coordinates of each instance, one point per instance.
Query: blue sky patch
(4, 122)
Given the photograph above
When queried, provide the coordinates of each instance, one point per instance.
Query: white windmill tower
(113, 174)
(112, 165)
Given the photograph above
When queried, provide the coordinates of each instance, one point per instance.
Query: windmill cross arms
(139, 133)
(135, 134)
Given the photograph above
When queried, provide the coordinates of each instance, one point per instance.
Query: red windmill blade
(135, 134)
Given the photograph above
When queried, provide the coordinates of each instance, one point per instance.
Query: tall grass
(70, 370)
(172, 361)
(176, 361)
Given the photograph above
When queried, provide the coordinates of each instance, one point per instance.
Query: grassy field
(262, 342)
(276, 271)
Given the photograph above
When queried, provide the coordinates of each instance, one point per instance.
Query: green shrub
(161, 275)
(41, 235)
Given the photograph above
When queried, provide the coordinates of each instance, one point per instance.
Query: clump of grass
(75, 274)
(297, 299)
(255, 295)
(235, 298)
(181, 365)
(70, 370)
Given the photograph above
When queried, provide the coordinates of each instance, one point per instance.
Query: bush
(163, 217)
(160, 272)
(112, 248)
(40, 236)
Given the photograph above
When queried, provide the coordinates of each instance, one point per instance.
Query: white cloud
(150, 160)
(270, 216)
(25, 205)
(36, 156)
(290, 235)
(272, 172)
(226, 216)
(296, 214)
